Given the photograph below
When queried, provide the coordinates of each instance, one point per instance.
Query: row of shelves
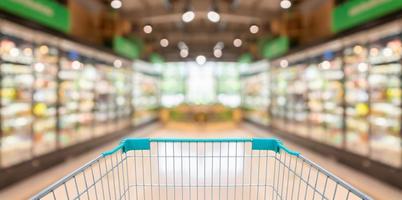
(348, 98)
(52, 98)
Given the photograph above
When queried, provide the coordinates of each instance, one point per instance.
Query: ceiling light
(147, 29)
(200, 59)
(218, 53)
(116, 4)
(188, 16)
(285, 4)
(213, 16)
(117, 63)
(237, 42)
(284, 63)
(254, 29)
(184, 53)
(164, 42)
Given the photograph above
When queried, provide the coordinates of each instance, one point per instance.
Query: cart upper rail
(271, 144)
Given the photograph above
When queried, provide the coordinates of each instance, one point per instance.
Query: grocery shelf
(344, 97)
(57, 94)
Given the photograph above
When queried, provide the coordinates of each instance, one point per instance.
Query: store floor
(32, 185)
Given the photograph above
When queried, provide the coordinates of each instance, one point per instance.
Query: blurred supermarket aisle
(371, 186)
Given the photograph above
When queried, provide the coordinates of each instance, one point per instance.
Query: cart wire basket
(173, 168)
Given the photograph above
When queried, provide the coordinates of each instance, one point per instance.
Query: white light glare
(148, 29)
(39, 67)
(117, 63)
(254, 29)
(213, 16)
(362, 67)
(237, 42)
(184, 53)
(188, 16)
(76, 64)
(116, 4)
(217, 53)
(164, 42)
(326, 64)
(285, 4)
(284, 63)
(200, 59)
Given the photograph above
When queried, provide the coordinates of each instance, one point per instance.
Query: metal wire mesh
(201, 170)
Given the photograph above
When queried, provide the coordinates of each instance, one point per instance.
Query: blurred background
(79, 75)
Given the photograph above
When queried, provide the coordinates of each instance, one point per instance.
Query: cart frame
(294, 176)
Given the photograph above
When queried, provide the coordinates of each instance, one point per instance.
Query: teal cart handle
(270, 144)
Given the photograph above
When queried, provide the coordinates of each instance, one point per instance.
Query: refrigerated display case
(296, 106)
(228, 84)
(353, 97)
(315, 104)
(256, 98)
(173, 84)
(16, 99)
(332, 98)
(384, 79)
(45, 99)
(324, 76)
(76, 97)
(104, 100)
(356, 98)
(278, 90)
(57, 98)
(120, 79)
(145, 98)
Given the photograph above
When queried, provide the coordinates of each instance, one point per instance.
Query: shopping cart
(156, 168)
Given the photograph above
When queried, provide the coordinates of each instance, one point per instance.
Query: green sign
(127, 47)
(355, 12)
(246, 58)
(46, 12)
(156, 58)
(275, 47)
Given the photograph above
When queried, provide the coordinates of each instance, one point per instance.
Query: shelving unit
(57, 95)
(45, 99)
(16, 100)
(385, 99)
(343, 97)
(297, 100)
(256, 97)
(146, 98)
(228, 85)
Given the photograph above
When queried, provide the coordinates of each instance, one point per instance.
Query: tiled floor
(32, 185)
